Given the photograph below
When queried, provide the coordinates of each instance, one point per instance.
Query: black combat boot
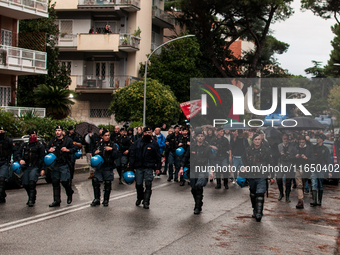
(27, 188)
(181, 181)
(147, 194)
(56, 193)
(199, 200)
(193, 192)
(119, 170)
(280, 186)
(107, 191)
(32, 193)
(218, 186)
(253, 203)
(259, 206)
(140, 194)
(2, 190)
(314, 198)
(69, 191)
(320, 194)
(96, 192)
(225, 182)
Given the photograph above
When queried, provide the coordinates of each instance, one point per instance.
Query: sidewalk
(81, 165)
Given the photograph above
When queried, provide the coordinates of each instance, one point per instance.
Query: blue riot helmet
(50, 159)
(97, 161)
(186, 173)
(16, 167)
(129, 177)
(78, 154)
(214, 152)
(241, 181)
(180, 151)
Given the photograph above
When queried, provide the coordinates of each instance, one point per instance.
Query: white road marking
(57, 213)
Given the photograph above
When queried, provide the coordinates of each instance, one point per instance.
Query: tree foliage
(161, 104)
(55, 99)
(57, 74)
(332, 69)
(219, 23)
(323, 8)
(175, 65)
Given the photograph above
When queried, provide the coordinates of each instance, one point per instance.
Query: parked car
(15, 178)
(334, 159)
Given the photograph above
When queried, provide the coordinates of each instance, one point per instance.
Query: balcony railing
(22, 58)
(91, 82)
(163, 16)
(19, 111)
(112, 3)
(68, 40)
(41, 5)
(128, 40)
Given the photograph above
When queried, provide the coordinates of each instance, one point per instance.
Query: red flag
(232, 116)
(191, 108)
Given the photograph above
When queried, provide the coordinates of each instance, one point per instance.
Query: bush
(136, 124)
(109, 127)
(17, 127)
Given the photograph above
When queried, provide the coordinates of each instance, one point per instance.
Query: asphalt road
(169, 227)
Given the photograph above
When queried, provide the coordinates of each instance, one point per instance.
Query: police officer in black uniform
(124, 144)
(76, 141)
(31, 156)
(222, 156)
(145, 157)
(257, 155)
(184, 142)
(107, 149)
(172, 141)
(200, 153)
(7, 148)
(62, 147)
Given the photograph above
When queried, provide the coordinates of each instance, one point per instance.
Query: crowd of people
(141, 150)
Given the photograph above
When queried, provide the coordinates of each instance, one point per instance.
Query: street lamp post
(146, 69)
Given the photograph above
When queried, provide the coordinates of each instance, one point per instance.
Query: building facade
(102, 43)
(16, 56)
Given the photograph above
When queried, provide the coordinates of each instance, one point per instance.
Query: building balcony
(19, 61)
(162, 18)
(129, 43)
(101, 84)
(99, 42)
(19, 111)
(124, 5)
(24, 9)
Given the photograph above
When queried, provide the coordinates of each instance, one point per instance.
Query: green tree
(57, 74)
(161, 103)
(323, 8)
(175, 65)
(219, 23)
(55, 99)
(332, 69)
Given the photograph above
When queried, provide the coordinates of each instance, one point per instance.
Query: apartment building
(106, 58)
(16, 55)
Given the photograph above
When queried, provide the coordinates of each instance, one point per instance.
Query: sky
(309, 37)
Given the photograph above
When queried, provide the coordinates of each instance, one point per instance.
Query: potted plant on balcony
(126, 40)
(137, 32)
